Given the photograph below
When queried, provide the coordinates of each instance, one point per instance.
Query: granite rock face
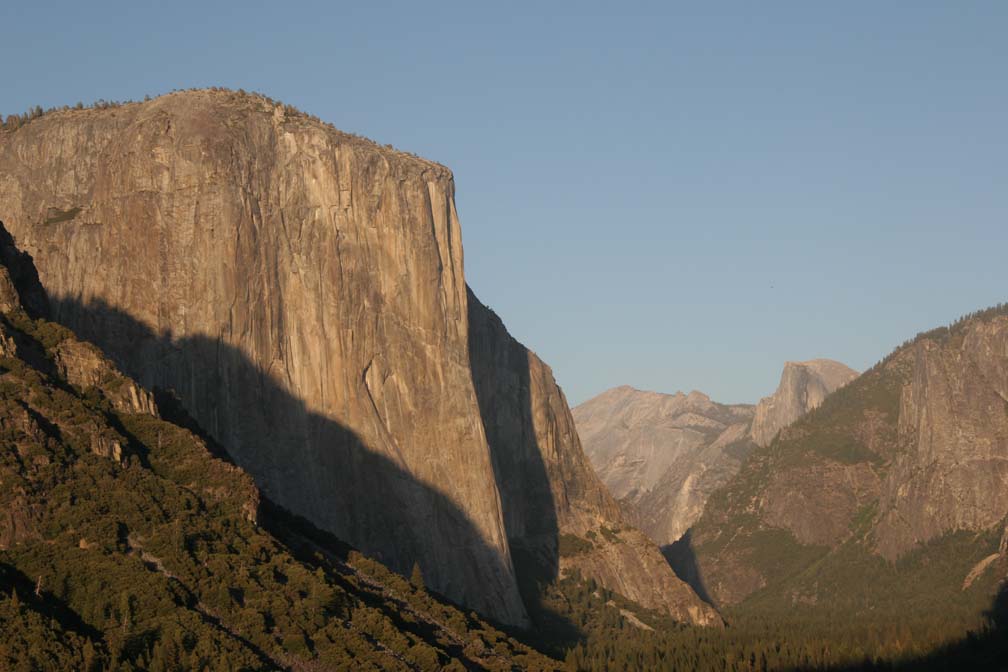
(83, 365)
(663, 455)
(803, 386)
(951, 468)
(301, 292)
(898, 463)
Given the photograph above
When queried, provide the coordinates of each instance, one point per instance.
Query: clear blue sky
(672, 197)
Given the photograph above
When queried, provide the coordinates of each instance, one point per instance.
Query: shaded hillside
(888, 503)
(125, 543)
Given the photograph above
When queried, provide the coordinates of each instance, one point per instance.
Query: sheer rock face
(803, 386)
(301, 292)
(549, 488)
(951, 471)
(669, 509)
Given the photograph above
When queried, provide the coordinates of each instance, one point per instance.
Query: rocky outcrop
(301, 292)
(83, 365)
(803, 386)
(106, 446)
(619, 559)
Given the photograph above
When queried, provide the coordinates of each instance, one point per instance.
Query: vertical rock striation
(951, 470)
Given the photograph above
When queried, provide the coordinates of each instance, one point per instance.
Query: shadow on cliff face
(315, 467)
(502, 380)
(682, 558)
(24, 275)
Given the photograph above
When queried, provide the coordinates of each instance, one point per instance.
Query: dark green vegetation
(126, 544)
(596, 630)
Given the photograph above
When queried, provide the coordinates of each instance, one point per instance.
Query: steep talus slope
(301, 292)
(542, 468)
(803, 386)
(893, 494)
(663, 455)
(126, 544)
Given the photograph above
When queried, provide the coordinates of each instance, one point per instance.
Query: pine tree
(89, 656)
(416, 577)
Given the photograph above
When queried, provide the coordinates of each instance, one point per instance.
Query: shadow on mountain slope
(682, 559)
(315, 467)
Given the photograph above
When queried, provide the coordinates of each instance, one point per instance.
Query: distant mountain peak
(803, 386)
(663, 454)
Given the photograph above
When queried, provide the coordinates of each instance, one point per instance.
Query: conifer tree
(416, 577)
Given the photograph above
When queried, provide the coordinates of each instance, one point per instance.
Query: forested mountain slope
(125, 543)
(888, 501)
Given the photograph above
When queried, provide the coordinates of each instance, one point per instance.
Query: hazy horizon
(668, 198)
